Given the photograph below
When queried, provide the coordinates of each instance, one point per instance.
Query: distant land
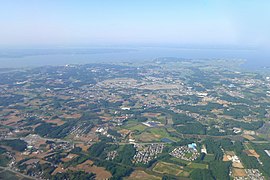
(17, 58)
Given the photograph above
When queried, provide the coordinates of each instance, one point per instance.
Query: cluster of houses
(188, 153)
(146, 153)
(251, 174)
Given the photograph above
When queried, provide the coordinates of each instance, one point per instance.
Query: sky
(243, 23)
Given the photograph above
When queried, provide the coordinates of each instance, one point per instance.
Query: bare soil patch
(72, 116)
(141, 175)
(55, 121)
(252, 153)
(249, 137)
(83, 146)
(225, 158)
(237, 165)
(69, 157)
(87, 166)
(239, 172)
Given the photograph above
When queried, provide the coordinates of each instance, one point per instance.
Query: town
(164, 118)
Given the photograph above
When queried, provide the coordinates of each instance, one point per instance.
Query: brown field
(69, 157)
(55, 121)
(146, 137)
(59, 169)
(238, 172)
(11, 119)
(88, 166)
(105, 118)
(252, 153)
(36, 125)
(225, 117)
(225, 158)
(223, 102)
(71, 116)
(167, 168)
(124, 131)
(151, 115)
(83, 146)
(64, 97)
(43, 161)
(237, 165)
(121, 117)
(18, 156)
(10, 111)
(249, 137)
(230, 153)
(31, 161)
(217, 111)
(141, 175)
(100, 172)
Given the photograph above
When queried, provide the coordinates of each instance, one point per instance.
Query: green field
(197, 166)
(170, 129)
(138, 127)
(167, 168)
(209, 157)
(161, 132)
(154, 134)
(248, 146)
(179, 160)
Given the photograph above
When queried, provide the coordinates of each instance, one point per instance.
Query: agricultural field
(248, 146)
(209, 157)
(141, 175)
(168, 168)
(136, 127)
(197, 166)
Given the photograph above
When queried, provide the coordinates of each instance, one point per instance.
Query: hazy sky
(106, 22)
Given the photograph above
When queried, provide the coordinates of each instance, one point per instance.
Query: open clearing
(177, 160)
(12, 118)
(69, 157)
(88, 167)
(238, 172)
(198, 166)
(141, 175)
(151, 115)
(161, 132)
(83, 146)
(167, 168)
(248, 137)
(209, 157)
(147, 137)
(139, 127)
(238, 165)
(58, 122)
(248, 146)
(252, 153)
